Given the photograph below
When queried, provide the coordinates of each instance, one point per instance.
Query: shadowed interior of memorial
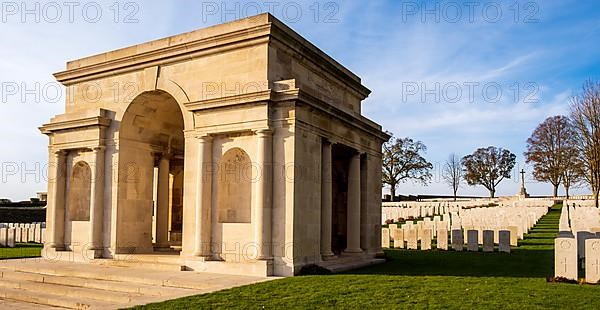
(150, 197)
(340, 161)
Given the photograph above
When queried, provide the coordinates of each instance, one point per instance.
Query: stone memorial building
(238, 148)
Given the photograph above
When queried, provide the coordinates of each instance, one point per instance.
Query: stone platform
(41, 284)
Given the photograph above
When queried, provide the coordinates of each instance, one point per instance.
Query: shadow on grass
(520, 263)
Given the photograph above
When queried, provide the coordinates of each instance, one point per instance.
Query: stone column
(353, 213)
(326, 199)
(203, 197)
(162, 203)
(263, 190)
(97, 199)
(58, 200)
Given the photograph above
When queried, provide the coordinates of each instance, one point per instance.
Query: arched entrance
(150, 184)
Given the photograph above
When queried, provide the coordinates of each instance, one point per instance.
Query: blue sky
(546, 50)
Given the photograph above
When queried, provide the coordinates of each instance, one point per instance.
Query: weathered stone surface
(411, 239)
(385, 238)
(457, 240)
(472, 242)
(442, 238)
(398, 238)
(488, 241)
(426, 241)
(504, 237)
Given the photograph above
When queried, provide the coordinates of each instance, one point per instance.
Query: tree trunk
(393, 192)
(596, 198)
(555, 191)
(567, 191)
(455, 195)
(492, 193)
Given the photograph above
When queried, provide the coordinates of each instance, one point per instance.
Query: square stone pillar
(57, 199)
(202, 243)
(97, 202)
(263, 191)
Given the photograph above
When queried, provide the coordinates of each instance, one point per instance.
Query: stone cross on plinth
(523, 192)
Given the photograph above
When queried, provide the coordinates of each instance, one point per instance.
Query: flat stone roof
(249, 25)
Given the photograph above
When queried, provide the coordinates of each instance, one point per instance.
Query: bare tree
(585, 115)
(573, 176)
(547, 149)
(453, 173)
(402, 161)
(488, 167)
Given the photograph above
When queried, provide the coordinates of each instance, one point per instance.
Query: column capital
(59, 153)
(265, 132)
(203, 137)
(99, 148)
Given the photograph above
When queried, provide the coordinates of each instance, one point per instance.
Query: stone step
(58, 290)
(166, 266)
(129, 274)
(43, 298)
(21, 305)
(143, 289)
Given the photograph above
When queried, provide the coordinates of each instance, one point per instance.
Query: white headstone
(504, 241)
(472, 242)
(442, 238)
(426, 240)
(514, 234)
(457, 240)
(565, 258)
(411, 238)
(398, 238)
(3, 236)
(488, 241)
(592, 260)
(385, 238)
(10, 238)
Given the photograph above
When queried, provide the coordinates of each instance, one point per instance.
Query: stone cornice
(307, 50)
(166, 55)
(259, 29)
(359, 121)
(265, 95)
(94, 121)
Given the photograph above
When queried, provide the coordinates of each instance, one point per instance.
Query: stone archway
(151, 151)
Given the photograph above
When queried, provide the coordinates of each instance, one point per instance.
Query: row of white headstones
(578, 243)
(484, 226)
(407, 211)
(13, 233)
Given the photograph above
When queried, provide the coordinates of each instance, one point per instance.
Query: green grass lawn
(423, 279)
(22, 250)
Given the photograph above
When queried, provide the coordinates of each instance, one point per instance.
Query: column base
(56, 247)
(90, 254)
(353, 252)
(162, 248)
(327, 257)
